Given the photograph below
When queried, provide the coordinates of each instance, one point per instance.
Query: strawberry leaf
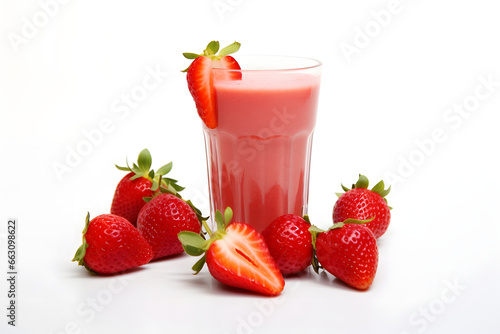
(193, 243)
(211, 52)
(232, 48)
(212, 48)
(155, 185)
(168, 180)
(357, 221)
(199, 264)
(362, 182)
(80, 252)
(177, 187)
(336, 225)
(350, 221)
(379, 187)
(228, 215)
(165, 169)
(143, 169)
(193, 251)
(136, 176)
(144, 161)
(219, 219)
(167, 188)
(197, 211)
(127, 169)
(190, 55)
(192, 239)
(315, 229)
(385, 192)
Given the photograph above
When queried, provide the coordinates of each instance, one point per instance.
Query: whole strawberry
(236, 255)
(111, 244)
(362, 203)
(139, 183)
(289, 242)
(162, 218)
(349, 252)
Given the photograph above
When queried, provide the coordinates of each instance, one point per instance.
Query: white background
(379, 109)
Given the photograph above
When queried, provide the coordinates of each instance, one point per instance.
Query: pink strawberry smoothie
(259, 154)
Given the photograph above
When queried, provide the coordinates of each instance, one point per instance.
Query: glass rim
(316, 64)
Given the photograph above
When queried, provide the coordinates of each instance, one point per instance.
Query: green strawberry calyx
(363, 183)
(80, 252)
(195, 245)
(211, 52)
(143, 169)
(315, 231)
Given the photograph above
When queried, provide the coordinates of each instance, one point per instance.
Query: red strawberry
(349, 252)
(361, 203)
(162, 218)
(139, 183)
(112, 244)
(289, 242)
(236, 255)
(200, 78)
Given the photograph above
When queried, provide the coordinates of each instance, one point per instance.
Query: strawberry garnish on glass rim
(236, 255)
(200, 77)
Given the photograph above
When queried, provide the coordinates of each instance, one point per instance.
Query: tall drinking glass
(259, 154)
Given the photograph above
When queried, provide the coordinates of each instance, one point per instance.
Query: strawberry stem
(207, 228)
(315, 231)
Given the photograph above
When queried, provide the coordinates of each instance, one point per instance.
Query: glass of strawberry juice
(259, 154)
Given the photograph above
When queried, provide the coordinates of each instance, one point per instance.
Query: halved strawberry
(236, 255)
(200, 77)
